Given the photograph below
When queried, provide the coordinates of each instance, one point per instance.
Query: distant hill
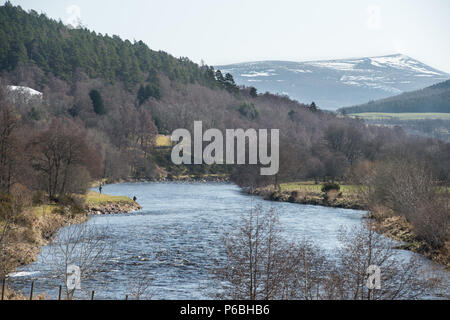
(432, 99)
(337, 83)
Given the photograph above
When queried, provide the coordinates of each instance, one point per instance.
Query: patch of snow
(401, 62)
(341, 66)
(255, 74)
(300, 71)
(361, 78)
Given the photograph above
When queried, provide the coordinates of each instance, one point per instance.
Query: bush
(39, 198)
(249, 111)
(331, 186)
(431, 221)
(74, 202)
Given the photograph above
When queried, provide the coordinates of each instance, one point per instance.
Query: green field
(400, 116)
(163, 141)
(94, 198)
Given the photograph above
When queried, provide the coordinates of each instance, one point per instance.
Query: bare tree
(409, 189)
(9, 148)
(305, 272)
(140, 287)
(260, 264)
(252, 263)
(361, 248)
(10, 208)
(85, 246)
(58, 153)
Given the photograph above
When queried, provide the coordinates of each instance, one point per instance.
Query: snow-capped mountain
(337, 83)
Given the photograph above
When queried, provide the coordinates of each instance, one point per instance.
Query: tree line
(431, 99)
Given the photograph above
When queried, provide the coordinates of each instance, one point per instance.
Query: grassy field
(310, 186)
(94, 198)
(44, 210)
(401, 116)
(163, 141)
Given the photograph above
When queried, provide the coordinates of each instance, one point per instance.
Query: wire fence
(31, 292)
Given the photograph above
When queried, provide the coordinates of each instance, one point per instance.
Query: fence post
(60, 292)
(32, 289)
(3, 288)
(92, 296)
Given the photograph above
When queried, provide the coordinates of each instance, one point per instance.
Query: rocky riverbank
(329, 199)
(171, 178)
(102, 204)
(113, 208)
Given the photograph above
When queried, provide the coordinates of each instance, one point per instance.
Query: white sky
(231, 31)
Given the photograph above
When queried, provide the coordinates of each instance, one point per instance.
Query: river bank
(178, 234)
(180, 231)
(310, 195)
(385, 222)
(38, 225)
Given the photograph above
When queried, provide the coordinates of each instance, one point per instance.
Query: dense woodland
(432, 99)
(105, 99)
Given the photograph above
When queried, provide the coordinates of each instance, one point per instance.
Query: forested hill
(432, 99)
(32, 38)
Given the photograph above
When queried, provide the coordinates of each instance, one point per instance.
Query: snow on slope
(337, 83)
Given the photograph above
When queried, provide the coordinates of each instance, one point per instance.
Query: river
(177, 235)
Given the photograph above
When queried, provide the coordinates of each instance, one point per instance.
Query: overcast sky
(229, 31)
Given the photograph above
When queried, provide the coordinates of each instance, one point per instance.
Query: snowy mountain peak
(337, 83)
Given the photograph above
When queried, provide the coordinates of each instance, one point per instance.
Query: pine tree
(97, 102)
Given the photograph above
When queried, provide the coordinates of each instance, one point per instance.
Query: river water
(177, 235)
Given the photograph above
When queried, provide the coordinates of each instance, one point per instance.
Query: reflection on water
(177, 236)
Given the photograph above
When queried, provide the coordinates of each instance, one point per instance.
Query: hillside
(29, 38)
(337, 83)
(431, 99)
(113, 116)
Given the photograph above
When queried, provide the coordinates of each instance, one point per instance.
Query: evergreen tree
(29, 37)
(220, 78)
(97, 102)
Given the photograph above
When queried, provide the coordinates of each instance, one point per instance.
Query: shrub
(331, 186)
(74, 202)
(39, 198)
(249, 111)
(431, 222)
